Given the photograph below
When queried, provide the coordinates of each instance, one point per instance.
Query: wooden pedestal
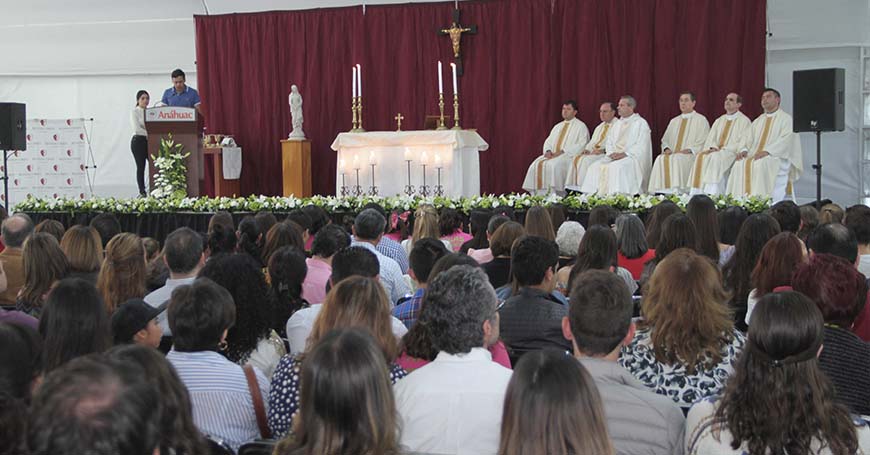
(222, 186)
(296, 167)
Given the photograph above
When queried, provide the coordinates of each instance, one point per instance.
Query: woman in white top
(139, 143)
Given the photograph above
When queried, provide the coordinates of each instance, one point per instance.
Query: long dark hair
(678, 231)
(287, 270)
(778, 400)
(251, 239)
(597, 251)
(479, 222)
(44, 263)
(730, 220)
(654, 221)
(74, 322)
(539, 224)
(737, 272)
(702, 211)
(139, 95)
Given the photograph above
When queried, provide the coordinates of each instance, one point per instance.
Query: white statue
(295, 100)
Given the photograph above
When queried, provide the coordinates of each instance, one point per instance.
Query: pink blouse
(457, 238)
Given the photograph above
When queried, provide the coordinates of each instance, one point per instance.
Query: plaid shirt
(393, 250)
(408, 311)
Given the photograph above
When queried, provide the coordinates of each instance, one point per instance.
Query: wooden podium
(296, 167)
(181, 123)
(222, 187)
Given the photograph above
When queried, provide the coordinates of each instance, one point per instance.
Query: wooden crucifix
(455, 32)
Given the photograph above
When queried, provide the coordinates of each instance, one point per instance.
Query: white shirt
(453, 405)
(864, 265)
(390, 272)
(299, 326)
(161, 295)
(137, 121)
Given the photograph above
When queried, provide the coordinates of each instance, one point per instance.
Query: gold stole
(579, 158)
(696, 182)
(618, 147)
(540, 173)
(747, 169)
(678, 147)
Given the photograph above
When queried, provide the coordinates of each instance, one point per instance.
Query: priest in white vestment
(729, 135)
(548, 172)
(625, 167)
(773, 159)
(683, 139)
(595, 148)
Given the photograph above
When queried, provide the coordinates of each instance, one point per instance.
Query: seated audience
(479, 220)
(347, 397)
(52, 227)
(839, 291)
(632, 250)
(122, 275)
(568, 239)
(831, 213)
(74, 323)
(677, 231)
(20, 373)
(539, 224)
(426, 226)
(597, 251)
(44, 265)
(265, 221)
(603, 215)
(251, 240)
(858, 221)
(221, 239)
(776, 264)
(777, 400)
(152, 248)
(328, 241)
(285, 233)
(452, 229)
(353, 302)
(13, 232)
(654, 220)
(461, 308)
(319, 218)
(84, 250)
(424, 255)
(484, 255)
(737, 272)
(552, 406)
(730, 220)
(287, 271)
(599, 325)
(107, 226)
(304, 222)
(134, 321)
(200, 314)
(809, 221)
(787, 214)
(387, 246)
(184, 255)
(368, 229)
(686, 344)
(499, 268)
(702, 211)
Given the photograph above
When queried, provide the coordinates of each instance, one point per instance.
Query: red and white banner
(53, 164)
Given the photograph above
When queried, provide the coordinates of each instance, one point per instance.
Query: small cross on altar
(399, 119)
(455, 32)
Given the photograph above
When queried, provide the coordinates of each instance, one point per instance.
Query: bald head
(15, 230)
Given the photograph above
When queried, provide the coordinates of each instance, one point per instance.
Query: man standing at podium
(180, 94)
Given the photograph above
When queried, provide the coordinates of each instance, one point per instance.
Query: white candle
(358, 81)
(455, 85)
(372, 157)
(353, 84)
(408, 154)
(356, 161)
(437, 160)
(342, 165)
(440, 81)
(424, 158)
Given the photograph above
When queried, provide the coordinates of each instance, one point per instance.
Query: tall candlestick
(455, 85)
(353, 82)
(359, 80)
(440, 81)
(456, 113)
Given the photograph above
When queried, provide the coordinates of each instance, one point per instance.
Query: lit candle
(437, 160)
(372, 157)
(407, 154)
(359, 81)
(424, 158)
(353, 84)
(342, 165)
(355, 161)
(455, 85)
(440, 81)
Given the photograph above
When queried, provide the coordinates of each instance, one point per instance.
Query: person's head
(630, 236)
(702, 211)
(177, 430)
(369, 226)
(44, 263)
(424, 255)
(94, 405)
(607, 111)
(460, 310)
(426, 223)
(178, 80)
(858, 221)
(20, 361)
(503, 238)
(733, 103)
(569, 109)
(107, 225)
(15, 230)
(152, 248)
(539, 224)
(347, 396)
(479, 218)
(597, 251)
(656, 218)
(265, 221)
(834, 285)
(776, 263)
(753, 235)
(221, 239)
(134, 321)
(557, 215)
(770, 100)
(626, 106)
(449, 221)
(243, 278)
(533, 261)
(329, 240)
(319, 217)
(380, 209)
(302, 220)
(787, 214)
(142, 99)
(569, 237)
(200, 314)
(357, 302)
(730, 221)
(183, 251)
(809, 221)
(53, 227)
(283, 234)
(778, 400)
(222, 218)
(831, 213)
(250, 239)
(122, 275)
(599, 314)
(604, 215)
(553, 406)
(836, 239)
(74, 322)
(690, 322)
(678, 231)
(353, 260)
(287, 270)
(687, 102)
(494, 223)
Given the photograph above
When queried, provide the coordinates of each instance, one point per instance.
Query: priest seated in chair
(595, 149)
(548, 172)
(683, 139)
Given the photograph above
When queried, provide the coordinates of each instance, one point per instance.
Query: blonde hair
(44, 263)
(122, 275)
(84, 248)
(426, 223)
(831, 213)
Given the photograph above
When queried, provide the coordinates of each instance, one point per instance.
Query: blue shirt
(408, 311)
(188, 98)
(390, 273)
(393, 250)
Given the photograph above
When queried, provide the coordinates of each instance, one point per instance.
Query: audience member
(426, 226)
(107, 225)
(737, 272)
(84, 250)
(478, 219)
(678, 231)
(809, 221)
(398, 226)
(13, 232)
(53, 227)
(73, 323)
(831, 213)
(303, 221)
(134, 321)
(183, 254)
(20, 373)
(424, 255)
(787, 214)
(328, 241)
(387, 246)
(368, 229)
(632, 249)
(539, 224)
(287, 271)
(451, 228)
(152, 248)
(499, 268)
(251, 240)
(462, 316)
(221, 240)
(836, 239)
(656, 218)
(686, 343)
(778, 400)
(597, 251)
(200, 314)
(265, 221)
(222, 218)
(285, 233)
(603, 215)
(482, 256)
(702, 211)
(122, 275)
(599, 325)
(858, 221)
(778, 259)
(319, 218)
(730, 220)
(552, 406)
(354, 302)
(557, 215)
(347, 397)
(44, 265)
(568, 239)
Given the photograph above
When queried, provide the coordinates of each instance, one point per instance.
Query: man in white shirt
(683, 139)
(183, 253)
(547, 173)
(453, 405)
(858, 220)
(368, 228)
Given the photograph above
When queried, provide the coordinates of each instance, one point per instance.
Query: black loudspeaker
(13, 126)
(819, 100)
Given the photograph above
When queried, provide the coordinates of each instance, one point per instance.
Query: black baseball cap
(131, 317)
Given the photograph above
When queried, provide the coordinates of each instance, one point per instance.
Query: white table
(456, 151)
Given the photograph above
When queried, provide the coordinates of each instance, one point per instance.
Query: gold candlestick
(456, 112)
(359, 108)
(441, 125)
(353, 110)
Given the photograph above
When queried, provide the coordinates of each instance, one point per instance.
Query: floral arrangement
(170, 182)
(169, 201)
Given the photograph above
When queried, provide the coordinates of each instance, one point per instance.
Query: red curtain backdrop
(527, 57)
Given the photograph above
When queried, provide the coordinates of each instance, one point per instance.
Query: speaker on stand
(13, 136)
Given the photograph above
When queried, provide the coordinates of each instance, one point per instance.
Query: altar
(386, 154)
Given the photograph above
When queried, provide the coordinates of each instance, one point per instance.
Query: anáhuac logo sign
(170, 114)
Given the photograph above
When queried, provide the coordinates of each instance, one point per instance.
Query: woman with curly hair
(451, 227)
(287, 271)
(122, 275)
(251, 239)
(737, 272)
(686, 344)
(778, 400)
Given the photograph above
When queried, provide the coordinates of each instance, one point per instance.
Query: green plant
(170, 182)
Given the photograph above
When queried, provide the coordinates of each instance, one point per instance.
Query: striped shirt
(222, 406)
(390, 274)
(393, 250)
